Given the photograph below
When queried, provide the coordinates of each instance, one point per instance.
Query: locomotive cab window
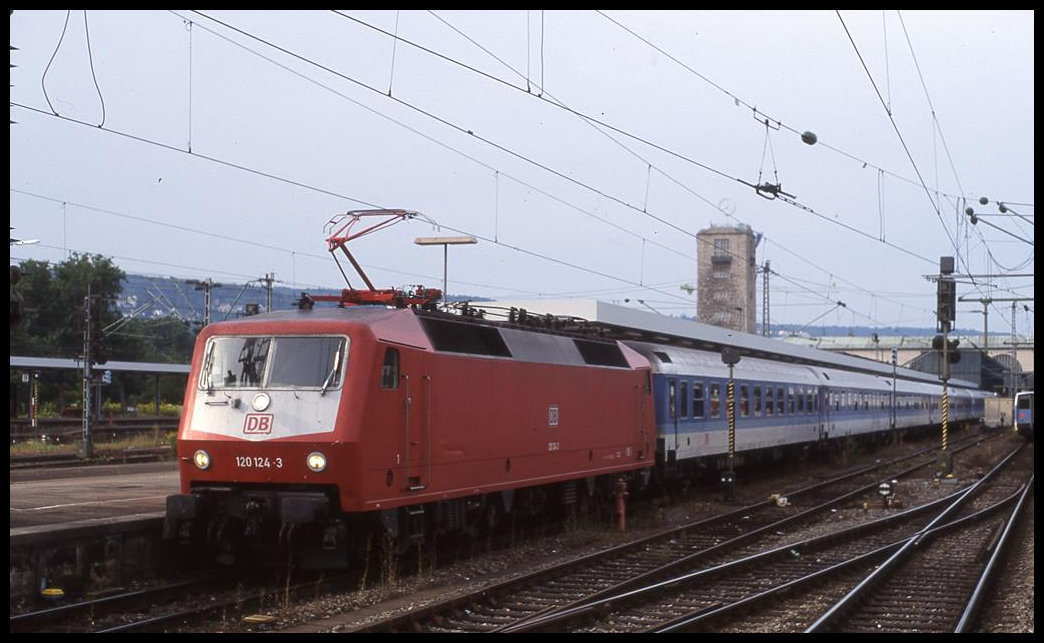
(307, 362)
(276, 362)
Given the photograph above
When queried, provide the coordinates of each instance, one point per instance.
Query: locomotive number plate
(258, 462)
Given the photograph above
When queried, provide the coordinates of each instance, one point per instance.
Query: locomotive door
(416, 430)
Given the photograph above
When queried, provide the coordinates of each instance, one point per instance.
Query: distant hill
(175, 297)
(167, 296)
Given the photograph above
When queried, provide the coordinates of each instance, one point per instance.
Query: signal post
(728, 477)
(946, 310)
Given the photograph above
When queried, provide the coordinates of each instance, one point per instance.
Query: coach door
(416, 385)
(824, 414)
(672, 416)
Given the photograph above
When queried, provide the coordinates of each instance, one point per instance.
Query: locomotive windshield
(273, 362)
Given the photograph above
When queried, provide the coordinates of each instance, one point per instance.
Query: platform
(59, 496)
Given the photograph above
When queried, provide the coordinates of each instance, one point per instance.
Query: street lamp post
(445, 242)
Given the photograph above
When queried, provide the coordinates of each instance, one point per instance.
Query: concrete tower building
(726, 277)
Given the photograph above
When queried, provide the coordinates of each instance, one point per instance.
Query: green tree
(53, 321)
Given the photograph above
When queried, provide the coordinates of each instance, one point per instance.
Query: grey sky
(222, 156)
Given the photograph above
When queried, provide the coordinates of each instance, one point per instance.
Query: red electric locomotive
(316, 428)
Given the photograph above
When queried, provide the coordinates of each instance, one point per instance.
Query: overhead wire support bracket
(771, 191)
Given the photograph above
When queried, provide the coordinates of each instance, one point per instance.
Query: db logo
(257, 423)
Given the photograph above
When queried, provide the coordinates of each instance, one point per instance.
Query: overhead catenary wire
(228, 239)
(865, 163)
(647, 173)
(306, 186)
(262, 173)
(756, 110)
(615, 129)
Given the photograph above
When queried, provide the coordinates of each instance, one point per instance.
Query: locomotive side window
(390, 369)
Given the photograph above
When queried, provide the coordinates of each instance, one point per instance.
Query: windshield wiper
(333, 371)
(206, 370)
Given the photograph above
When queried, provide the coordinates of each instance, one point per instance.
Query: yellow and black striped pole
(732, 419)
(730, 356)
(945, 410)
(945, 457)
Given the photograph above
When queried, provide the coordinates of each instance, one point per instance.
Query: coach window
(744, 401)
(757, 400)
(770, 400)
(790, 407)
(801, 400)
(684, 393)
(715, 400)
(779, 401)
(390, 369)
(697, 400)
(672, 396)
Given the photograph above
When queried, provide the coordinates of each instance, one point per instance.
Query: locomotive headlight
(202, 459)
(261, 402)
(316, 461)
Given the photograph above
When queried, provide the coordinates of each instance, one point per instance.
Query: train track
(902, 585)
(85, 615)
(56, 430)
(925, 586)
(106, 436)
(169, 606)
(769, 520)
(638, 564)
